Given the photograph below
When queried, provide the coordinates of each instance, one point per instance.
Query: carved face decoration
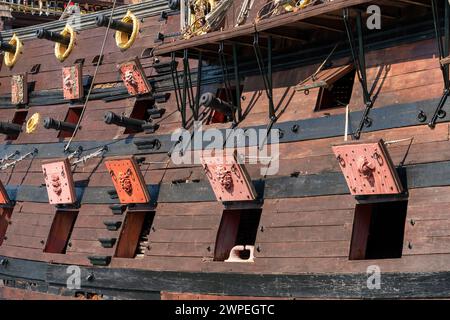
(228, 178)
(224, 177)
(365, 166)
(129, 77)
(134, 78)
(56, 184)
(19, 94)
(368, 168)
(128, 180)
(72, 82)
(59, 182)
(68, 83)
(125, 181)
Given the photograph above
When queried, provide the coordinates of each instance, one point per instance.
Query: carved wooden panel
(368, 168)
(72, 82)
(19, 89)
(4, 198)
(128, 180)
(228, 178)
(133, 76)
(59, 182)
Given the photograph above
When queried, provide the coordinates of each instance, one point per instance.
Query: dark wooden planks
(338, 285)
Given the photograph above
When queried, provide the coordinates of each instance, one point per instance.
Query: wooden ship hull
(322, 74)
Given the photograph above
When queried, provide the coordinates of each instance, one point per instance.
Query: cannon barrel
(102, 21)
(50, 123)
(10, 128)
(209, 100)
(122, 121)
(52, 36)
(5, 46)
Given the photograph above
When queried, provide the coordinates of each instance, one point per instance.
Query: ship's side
(311, 237)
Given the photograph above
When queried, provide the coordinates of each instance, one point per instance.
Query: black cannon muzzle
(5, 46)
(10, 128)
(121, 121)
(50, 123)
(53, 36)
(102, 21)
(209, 100)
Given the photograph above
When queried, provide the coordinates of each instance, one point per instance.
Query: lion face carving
(224, 177)
(56, 184)
(125, 181)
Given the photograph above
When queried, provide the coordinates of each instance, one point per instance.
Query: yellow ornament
(62, 51)
(33, 123)
(11, 57)
(123, 39)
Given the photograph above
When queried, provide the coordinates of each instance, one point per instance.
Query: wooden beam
(263, 25)
(284, 36)
(416, 3)
(319, 26)
(445, 61)
(123, 281)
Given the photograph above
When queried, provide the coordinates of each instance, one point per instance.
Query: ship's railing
(87, 21)
(54, 8)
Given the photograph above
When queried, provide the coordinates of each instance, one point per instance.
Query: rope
(387, 143)
(93, 79)
(25, 156)
(346, 123)
(64, 12)
(398, 141)
(85, 158)
(313, 77)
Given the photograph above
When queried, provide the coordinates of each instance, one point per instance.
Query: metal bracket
(176, 85)
(443, 48)
(267, 76)
(237, 82)
(187, 86)
(359, 58)
(226, 79)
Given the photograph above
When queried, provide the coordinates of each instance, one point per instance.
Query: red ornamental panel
(19, 89)
(72, 82)
(59, 182)
(4, 198)
(368, 169)
(133, 76)
(128, 180)
(228, 178)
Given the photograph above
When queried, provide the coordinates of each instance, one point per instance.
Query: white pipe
(346, 122)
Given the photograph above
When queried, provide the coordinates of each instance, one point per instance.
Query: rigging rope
(93, 78)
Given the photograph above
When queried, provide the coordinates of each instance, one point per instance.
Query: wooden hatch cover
(4, 198)
(228, 177)
(127, 179)
(134, 78)
(325, 78)
(368, 168)
(72, 79)
(59, 181)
